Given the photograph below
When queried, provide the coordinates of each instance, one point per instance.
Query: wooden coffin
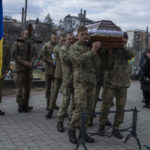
(107, 42)
(107, 33)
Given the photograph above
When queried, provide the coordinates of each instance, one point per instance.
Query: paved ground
(31, 131)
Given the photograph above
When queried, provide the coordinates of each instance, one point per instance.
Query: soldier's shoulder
(15, 43)
(18, 43)
(63, 48)
(75, 46)
(48, 43)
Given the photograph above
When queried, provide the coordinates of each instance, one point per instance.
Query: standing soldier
(100, 71)
(6, 65)
(84, 77)
(67, 84)
(116, 82)
(20, 53)
(46, 56)
(57, 78)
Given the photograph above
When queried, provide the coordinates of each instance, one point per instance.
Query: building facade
(69, 23)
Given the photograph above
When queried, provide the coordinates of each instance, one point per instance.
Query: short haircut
(82, 28)
(53, 35)
(125, 35)
(69, 34)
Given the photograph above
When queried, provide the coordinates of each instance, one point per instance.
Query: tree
(48, 20)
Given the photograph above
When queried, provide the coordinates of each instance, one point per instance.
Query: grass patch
(38, 74)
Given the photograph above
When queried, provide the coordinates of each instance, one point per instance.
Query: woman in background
(145, 78)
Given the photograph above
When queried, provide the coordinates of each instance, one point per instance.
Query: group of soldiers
(77, 68)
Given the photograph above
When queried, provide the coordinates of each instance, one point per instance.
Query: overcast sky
(128, 14)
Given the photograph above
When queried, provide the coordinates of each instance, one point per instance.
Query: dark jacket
(145, 74)
(142, 59)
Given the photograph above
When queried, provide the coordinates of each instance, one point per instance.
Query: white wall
(130, 38)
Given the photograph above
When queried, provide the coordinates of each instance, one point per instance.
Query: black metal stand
(133, 131)
(148, 148)
(131, 134)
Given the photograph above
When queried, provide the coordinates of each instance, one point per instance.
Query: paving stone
(31, 131)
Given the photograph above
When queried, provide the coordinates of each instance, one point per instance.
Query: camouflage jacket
(19, 53)
(58, 69)
(66, 65)
(46, 56)
(6, 57)
(117, 68)
(84, 71)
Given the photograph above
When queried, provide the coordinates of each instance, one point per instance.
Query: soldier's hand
(28, 64)
(96, 46)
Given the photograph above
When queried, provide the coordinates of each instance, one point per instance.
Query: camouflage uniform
(46, 56)
(84, 77)
(57, 78)
(67, 82)
(19, 53)
(6, 64)
(116, 82)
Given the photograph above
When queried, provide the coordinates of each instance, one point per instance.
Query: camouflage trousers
(1, 87)
(84, 100)
(67, 95)
(21, 81)
(49, 80)
(55, 91)
(107, 96)
(98, 89)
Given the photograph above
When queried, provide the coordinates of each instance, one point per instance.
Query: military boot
(49, 115)
(117, 133)
(102, 130)
(2, 113)
(60, 126)
(28, 108)
(20, 108)
(56, 107)
(108, 123)
(72, 136)
(87, 138)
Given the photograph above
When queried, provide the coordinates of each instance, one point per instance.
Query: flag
(1, 37)
(131, 61)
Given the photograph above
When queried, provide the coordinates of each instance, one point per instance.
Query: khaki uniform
(57, 78)
(84, 77)
(5, 65)
(19, 53)
(46, 56)
(116, 82)
(67, 81)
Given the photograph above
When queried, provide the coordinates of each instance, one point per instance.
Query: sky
(127, 14)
